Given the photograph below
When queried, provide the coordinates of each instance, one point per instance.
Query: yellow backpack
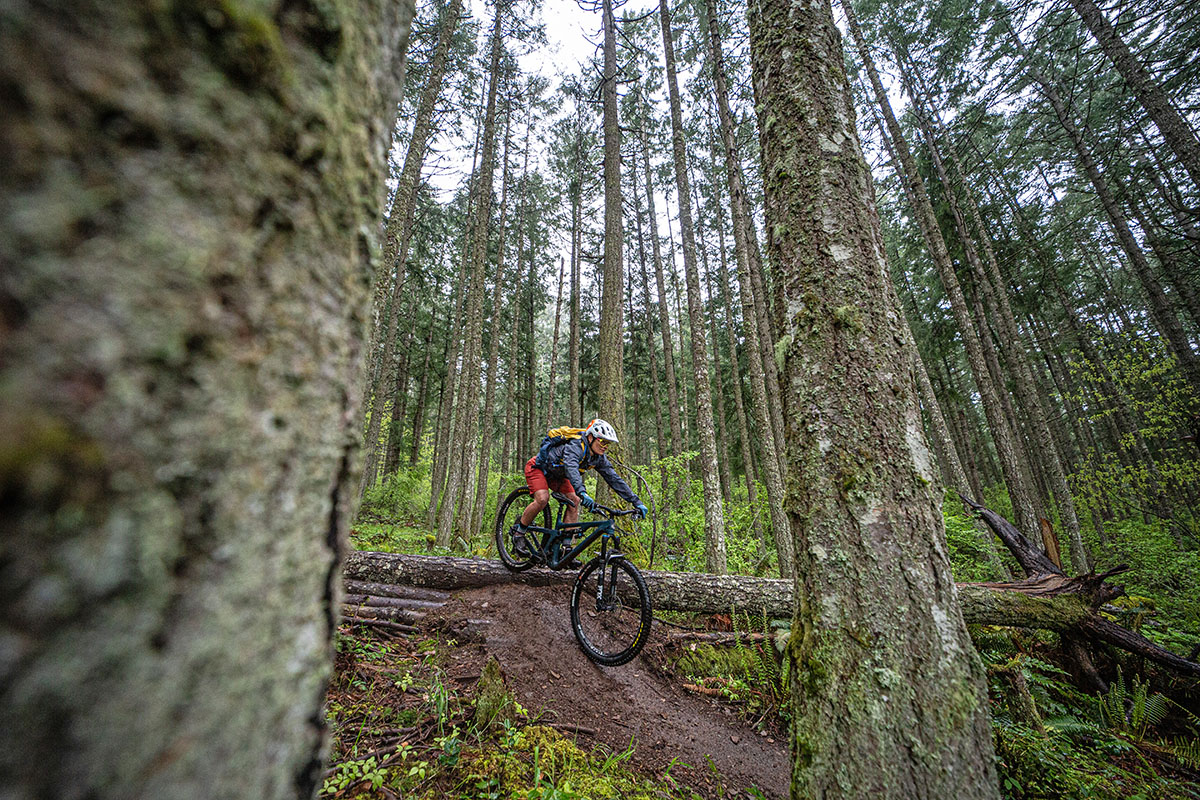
(555, 437)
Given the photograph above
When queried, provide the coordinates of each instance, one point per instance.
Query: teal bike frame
(550, 540)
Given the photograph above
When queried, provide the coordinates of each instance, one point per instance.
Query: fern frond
(1187, 751)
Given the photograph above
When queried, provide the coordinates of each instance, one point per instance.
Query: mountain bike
(610, 604)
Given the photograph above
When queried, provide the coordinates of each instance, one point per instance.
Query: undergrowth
(403, 726)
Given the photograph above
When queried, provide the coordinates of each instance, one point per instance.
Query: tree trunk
(398, 233)
(186, 292)
(574, 409)
(456, 512)
(714, 514)
(418, 423)
(759, 402)
(610, 402)
(656, 396)
(1175, 130)
(722, 439)
(748, 470)
(395, 435)
(876, 607)
(1019, 490)
(445, 417)
(487, 424)
(664, 318)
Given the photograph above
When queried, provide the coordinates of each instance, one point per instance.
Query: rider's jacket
(572, 457)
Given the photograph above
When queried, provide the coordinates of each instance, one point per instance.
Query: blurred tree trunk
(189, 239)
(714, 514)
(874, 592)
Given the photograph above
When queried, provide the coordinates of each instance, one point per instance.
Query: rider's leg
(540, 498)
(539, 488)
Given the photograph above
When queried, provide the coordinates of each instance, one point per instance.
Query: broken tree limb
(1028, 555)
(1050, 601)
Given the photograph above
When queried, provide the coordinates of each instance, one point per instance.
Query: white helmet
(601, 430)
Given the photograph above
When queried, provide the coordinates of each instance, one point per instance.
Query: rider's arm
(614, 481)
(572, 452)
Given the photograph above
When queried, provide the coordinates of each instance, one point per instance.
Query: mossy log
(1049, 602)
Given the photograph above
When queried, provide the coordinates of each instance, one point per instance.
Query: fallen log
(1050, 601)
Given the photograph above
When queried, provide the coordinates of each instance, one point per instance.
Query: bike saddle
(562, 498)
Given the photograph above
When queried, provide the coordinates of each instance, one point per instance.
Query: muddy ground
(698, 738)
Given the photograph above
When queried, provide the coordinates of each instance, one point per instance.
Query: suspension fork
(606, 578)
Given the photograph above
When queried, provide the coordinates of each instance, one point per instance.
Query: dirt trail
(528, 630)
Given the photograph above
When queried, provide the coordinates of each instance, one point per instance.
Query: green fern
(1185, 750)
(1132, 711)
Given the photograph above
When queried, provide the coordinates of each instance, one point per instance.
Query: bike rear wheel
(507, 515)
(612, 620)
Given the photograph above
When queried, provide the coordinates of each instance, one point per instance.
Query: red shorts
(538, 480)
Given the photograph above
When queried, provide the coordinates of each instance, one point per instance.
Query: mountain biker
(558, 467)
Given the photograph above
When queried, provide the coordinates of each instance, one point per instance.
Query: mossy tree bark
(888, 694)
(191, 198)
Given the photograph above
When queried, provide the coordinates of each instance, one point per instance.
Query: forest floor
(411, 700)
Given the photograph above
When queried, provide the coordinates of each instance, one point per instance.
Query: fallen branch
(379, 623)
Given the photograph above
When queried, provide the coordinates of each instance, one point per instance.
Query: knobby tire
(615, 636)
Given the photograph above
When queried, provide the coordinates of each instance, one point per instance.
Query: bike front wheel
(507, 515)
(610, 611)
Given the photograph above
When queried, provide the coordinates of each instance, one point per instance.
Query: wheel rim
(610, 629)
